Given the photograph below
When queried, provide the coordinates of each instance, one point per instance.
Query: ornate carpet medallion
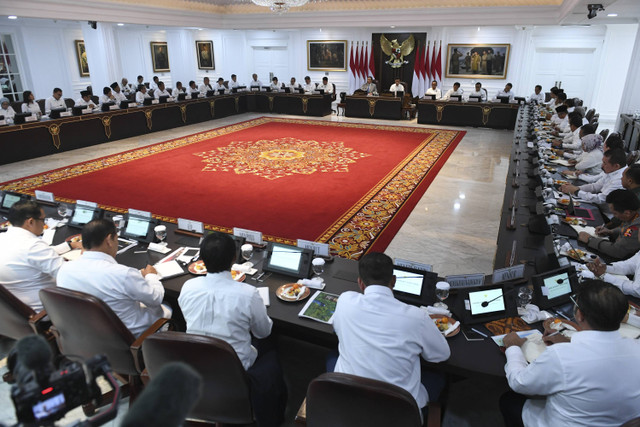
(277, 158)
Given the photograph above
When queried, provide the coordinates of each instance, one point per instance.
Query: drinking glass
(442, 292)
(63, 210)
(246, 251)
(524, 296)
(318, 268)
(161, 233)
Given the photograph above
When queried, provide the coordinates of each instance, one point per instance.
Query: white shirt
(482, 94)
(450, 92)
(328, 88)
(255, 83)
(28, 264)
(436, 92)
(158, 93)
(127, 89)
(591, 178)
(572, 141)
(9, 113)
(539, 98)
(293, 87)
(105, 98)
(205, 88)
(591, 381)
(51, 104)
(275, 87)
(122, 288)
(309, 87)
(140, 97)
(175, 92)
(597, 192)
(218, 88)
(396, 88)
(561, 123)
(193, 90)
(33, 108)
(590, 161)
(217, 306)
(119, 96)
(233, 84)
(616, 272)
(508, 94)
(82, 103)
(383, 339)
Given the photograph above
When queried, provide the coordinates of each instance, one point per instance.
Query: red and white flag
(352, 71)
(415, 83)
(427, 69)
(433, 63)
(365, 62)
(372, 65)
(439, 63)
(363, 77)
(356, 66)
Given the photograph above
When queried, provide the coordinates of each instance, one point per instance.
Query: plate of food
(75, 238)
(445, 323)
(553, 157)
(292, 292)
(4, 225)
(580, 255)
(550, 169)
(560, 182)
(573, 220)
(564, 326)
(200, 269)
(565, 201)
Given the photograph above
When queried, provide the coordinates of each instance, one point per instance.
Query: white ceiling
(241, 14)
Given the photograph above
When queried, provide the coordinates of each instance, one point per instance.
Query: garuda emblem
(396, 51)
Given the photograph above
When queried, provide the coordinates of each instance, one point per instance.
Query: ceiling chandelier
(280, 6)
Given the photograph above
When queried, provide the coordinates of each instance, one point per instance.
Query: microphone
(486, 303)
(168, 398)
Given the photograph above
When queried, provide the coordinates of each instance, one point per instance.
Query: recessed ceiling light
(199, 29)
(612, 14)
(120, 24)
(393, 26)
(12, 17)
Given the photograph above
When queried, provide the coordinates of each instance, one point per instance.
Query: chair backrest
(595, 118)
(14, 316)
(86, 326)
(595, 125)
(95, 100)
(225, 397)
(632, 423)
(343, 400)
(17, 106)
(604, 133)
(590, 114)
(69, 102)
(41, 103)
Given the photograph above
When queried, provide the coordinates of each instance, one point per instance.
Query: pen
(557, 332)
(480, 333)
(561, 314)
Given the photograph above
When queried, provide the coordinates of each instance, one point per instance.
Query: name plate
(189, 225)
(465, 280)
(137, 212)
(132, 105)
(155, 101)
(4, 122)
(92, 205)
(112, 107)
(201, 95)
(320, 249)
(45, 196)
(412, 264)
(250, 235)
(65, 114)
(31, 118)
(509, 273)
(87, 111)
(187, 97)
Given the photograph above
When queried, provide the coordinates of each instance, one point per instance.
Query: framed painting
(81, 55)
(159, 57)
(204, 51)
(327, 55)
(473, 61)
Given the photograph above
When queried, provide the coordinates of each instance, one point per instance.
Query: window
(10, 80)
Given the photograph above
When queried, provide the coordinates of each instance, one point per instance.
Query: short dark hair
(538, 87)
(623, 200)
(478, 83)
(561, 109)
(96, 231)
(113, 85)
(588, 129)
(22, 210)
(178, 84)
(140, 77)
(56, 90)
(206, 78)
(274, 78)
(602, 304)
(218, 251)
(570, 102)
(191, 82)
(233, 75)
(376, 268)
(562, 96)
(433, 81)
(616, 156)
(106, 90)
(509, 84)
(575, 120)
(325, 78)
(155, 78)
(220, 79)
(140, 87)
(160, 83)
(614, 141)
(25, 95)
(633, 173)
(456, 83)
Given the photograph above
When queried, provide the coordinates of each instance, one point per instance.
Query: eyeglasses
(39, 219)
(573, 299)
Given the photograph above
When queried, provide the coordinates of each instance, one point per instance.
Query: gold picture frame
(205, 54)
(81, 56)
(477, 61)
(327, 55)
(160, 57)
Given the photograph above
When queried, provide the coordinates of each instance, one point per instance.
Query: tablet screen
(9, 200)
(137, 227)
(285, 258)
(486, 301)
(407, 282)
(82, 215)
(557, 286)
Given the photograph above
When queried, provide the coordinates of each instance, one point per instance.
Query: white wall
(47, 55)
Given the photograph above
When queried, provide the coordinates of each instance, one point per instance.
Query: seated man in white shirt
(560, 119)
(479, 92)
(205, 86)
(85, 100)
(456, 90)
(127, 88)
(217, 306)
(161, 91)
(275, 86)
(590, 381)
(177, 90)
(220, 85)
(27, 263)
(193, 89)
(55, 101)
(396, 87)
(254, 81)
(570, 141)
(154, 84)
(233, 83)
(553, 93)
(614, 162)
(383, 338)
(107, 96)
(142, 94)
(308, 86)
(140, 80)
(117, 93)
(135, 296)
(433, 90)
(293, 85)
(369, 87)
(326, 86)
(537, 96)
(506, 92)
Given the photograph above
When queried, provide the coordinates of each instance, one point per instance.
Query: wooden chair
(18, 320)
(85, 326)
(604, 133)
(225, 398)
(343, 400)
(41, 103)
(589, 115)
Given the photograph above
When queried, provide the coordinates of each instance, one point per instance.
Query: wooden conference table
(477, 114)
(50, 136)
(373, 107)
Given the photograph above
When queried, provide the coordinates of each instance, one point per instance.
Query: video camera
(43, 394)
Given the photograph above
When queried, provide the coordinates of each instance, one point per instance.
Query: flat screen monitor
(414, 286)
(139, 228)
(300, 90)
(520, 99)
(8, 199)
(221, 92)
(19, 118)
(455, 98)
(320, 91)
(475, 98)
(554, 287)
(210, 93)
(266, 88)
(287, 90)
(124, 104)
(503, 99)
(55, 112)
(182, 96)
(288, 260)
(77, 111)
(105, 106)
(398, 94)
(484, 305)
(432, 97)
(83, 214)
(163, 99)
(147, 101)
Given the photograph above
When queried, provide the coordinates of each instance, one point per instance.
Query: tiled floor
(453, 227)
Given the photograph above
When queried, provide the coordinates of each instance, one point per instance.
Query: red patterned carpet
(351, 185)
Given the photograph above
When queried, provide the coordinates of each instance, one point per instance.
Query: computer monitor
(182, 96)
(19, 118)
(163, 99)
(287, 89)
(124, 104)
(319, 91)
(266, 88)
(83, 214)
(9, 198)
(416, 287)
(288, 260)
(55, 112)
(210, 93)
(520, 99)
(221, 92)
(455, 98)
(79, 110)
(554, 287)
(147, 101)
(484, 305)
(432, 97)
(300, 90)
(503, 99)
(475, 98)
(398, 94)
(139, 228)
(105, 106)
